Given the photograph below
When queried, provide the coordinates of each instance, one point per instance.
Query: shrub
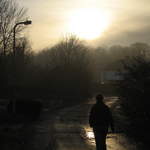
(134, 91)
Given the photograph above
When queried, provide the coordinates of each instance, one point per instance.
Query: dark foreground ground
(64, 129)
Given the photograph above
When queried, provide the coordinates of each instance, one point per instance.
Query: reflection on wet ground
(114, 141)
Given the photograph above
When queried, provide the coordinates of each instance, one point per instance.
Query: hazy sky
(98, 21)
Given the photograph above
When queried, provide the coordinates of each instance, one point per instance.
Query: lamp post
(28, 22)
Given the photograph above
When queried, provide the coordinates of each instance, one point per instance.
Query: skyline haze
(125, 21)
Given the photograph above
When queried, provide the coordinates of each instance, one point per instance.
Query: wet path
(68, 129)
(71, 130)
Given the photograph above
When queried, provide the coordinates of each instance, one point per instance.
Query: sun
(88, 23)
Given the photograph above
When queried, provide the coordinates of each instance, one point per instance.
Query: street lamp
(28, 22)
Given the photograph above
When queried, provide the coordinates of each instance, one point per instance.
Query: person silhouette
(100, 119)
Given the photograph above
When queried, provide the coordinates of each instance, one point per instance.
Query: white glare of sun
(89, 23)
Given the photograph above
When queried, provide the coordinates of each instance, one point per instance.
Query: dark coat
(100, 117)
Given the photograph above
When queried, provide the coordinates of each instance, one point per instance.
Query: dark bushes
(27, 108)
(134, 91)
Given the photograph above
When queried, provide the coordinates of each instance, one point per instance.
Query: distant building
(110, 77)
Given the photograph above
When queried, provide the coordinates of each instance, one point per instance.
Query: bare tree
(66, 68)
(70, 51)
(10, 14)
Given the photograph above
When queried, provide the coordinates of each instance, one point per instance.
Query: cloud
(127, 30)
(131, 24)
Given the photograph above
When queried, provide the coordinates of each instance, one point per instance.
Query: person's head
(99, 98)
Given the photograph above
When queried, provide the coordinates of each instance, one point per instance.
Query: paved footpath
(68, 129)
(71, 130)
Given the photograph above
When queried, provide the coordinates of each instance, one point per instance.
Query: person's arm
(91, 117)
(111, 122)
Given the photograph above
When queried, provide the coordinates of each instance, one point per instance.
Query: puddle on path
(113, 141)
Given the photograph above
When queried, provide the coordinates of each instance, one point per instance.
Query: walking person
(100, 119)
